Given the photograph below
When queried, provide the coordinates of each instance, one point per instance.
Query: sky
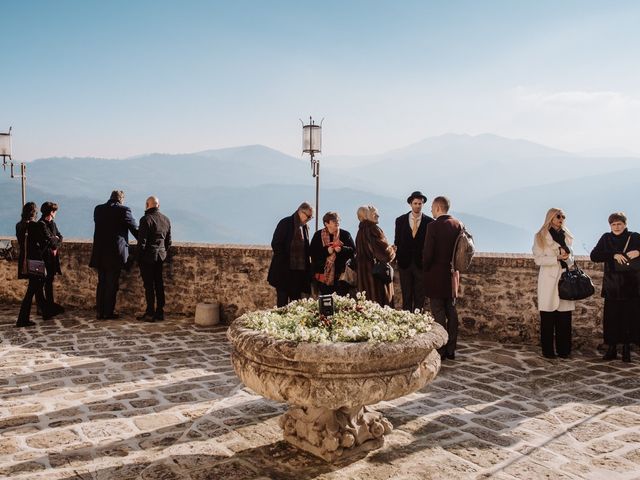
(121, 78)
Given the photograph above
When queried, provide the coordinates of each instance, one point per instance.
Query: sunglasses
(560, 216)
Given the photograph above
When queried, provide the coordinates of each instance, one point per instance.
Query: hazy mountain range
(501, 188)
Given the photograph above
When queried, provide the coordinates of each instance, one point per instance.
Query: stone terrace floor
(128, 400)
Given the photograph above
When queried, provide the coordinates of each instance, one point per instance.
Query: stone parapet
(498, 295)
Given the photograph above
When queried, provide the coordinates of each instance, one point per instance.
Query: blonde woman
(372, 245)
(552, 253)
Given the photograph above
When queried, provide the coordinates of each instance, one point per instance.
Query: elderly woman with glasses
(330, 249)
(371, 247)
(552, 253)
(618, 250)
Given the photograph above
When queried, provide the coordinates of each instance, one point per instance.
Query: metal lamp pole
(312, 144)
(5, 151)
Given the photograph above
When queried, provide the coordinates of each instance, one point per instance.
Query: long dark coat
(113, 222)
(35, 244)
(53, 241)
(154, 236)
(617, 285)
(410, 247)
(371, 243)
(436, 257)
(319, 253)
(278, 275)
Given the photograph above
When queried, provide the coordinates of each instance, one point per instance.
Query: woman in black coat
(51, 253)
(620, 287)
(330, 249)
(31, 242)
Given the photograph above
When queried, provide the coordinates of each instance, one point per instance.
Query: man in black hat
(409, 239)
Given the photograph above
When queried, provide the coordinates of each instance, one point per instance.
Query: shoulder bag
(382, 271)
(632, 265)
(33, 268)
(574, 284)
(350, 275)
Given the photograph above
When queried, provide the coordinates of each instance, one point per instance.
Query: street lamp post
(5, 151)
(312, 144)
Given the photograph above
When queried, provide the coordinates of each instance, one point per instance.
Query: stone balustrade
(498, 295)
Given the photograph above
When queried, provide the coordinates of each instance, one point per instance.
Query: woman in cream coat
(552, 253)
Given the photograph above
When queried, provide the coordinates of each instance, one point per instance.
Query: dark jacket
(154, 236)
(113, 222)
(35, 245)
(617, 285)
(281, 245)
(436, 256)
(371, 244)
(53, 241)
(319, 253)
(410, 247)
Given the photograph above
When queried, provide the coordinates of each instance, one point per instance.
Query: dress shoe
(28, 323)
(57, 309)
(158, 316)
(564, 355)
(145, 317)
(549, 355)
(612, 353)
(626, 353)
(451, 356)
(113, 316)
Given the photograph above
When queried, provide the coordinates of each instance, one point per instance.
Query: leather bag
(383, 272)
(33, 268)
(574, 284)
(632, 265)
(349, 276)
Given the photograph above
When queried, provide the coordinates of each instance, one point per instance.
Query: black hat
(415, 195)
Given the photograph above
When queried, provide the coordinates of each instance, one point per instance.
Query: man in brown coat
(436, 260)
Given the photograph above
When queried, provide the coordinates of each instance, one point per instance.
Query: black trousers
(412, 285)
(296, 282)
(555, 326)
(151, 274)
(445, 313)
(34, 287)
(108, 284)
(621, 321)
(48, 288)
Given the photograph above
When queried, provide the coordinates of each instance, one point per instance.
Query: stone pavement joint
(81, 399)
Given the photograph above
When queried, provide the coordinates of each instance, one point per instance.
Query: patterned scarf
(329, 264)
(297, 249)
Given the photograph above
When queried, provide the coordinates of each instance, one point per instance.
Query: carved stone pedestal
(334, 434)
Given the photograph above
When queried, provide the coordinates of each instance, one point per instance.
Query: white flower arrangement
(354, 320)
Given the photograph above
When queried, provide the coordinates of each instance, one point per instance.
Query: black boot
(626, 353)
(612, 353)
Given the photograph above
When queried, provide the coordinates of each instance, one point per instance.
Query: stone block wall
(498, 295)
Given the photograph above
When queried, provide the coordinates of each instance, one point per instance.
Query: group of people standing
(618, 249)
(423, 247)
(41, 240)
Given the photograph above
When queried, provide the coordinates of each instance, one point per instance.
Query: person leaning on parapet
(372, 247)
(552, 252)
(31, 242)
(409, 240)
(290, 269)
(113, 222)
(154, 240)
(51, 253)
(331, 248)
(620, 286)
(439, 243)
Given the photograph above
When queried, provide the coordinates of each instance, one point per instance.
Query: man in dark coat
(154, 240)
(439, 243)
(290, 269)
(113, 222)
(409, 240)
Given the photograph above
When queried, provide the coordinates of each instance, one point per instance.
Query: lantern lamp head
(311, 137)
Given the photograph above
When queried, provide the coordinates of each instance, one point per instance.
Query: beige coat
(546, 257)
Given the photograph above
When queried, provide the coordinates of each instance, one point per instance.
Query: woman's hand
(620, 258)
(633, 254)
(563, 256)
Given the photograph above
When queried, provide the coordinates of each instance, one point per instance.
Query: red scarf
(329, 264)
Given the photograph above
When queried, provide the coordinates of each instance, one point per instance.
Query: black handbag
(382, 271)
(32, 268)
(574, 284)
(632, 265)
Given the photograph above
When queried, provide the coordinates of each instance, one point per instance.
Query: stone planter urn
(329, 385)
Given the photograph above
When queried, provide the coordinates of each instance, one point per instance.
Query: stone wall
(498, 294)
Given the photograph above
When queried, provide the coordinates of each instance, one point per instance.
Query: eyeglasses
(560, 216)
(308, 215)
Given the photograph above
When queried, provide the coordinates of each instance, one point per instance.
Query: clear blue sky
(121, 78)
